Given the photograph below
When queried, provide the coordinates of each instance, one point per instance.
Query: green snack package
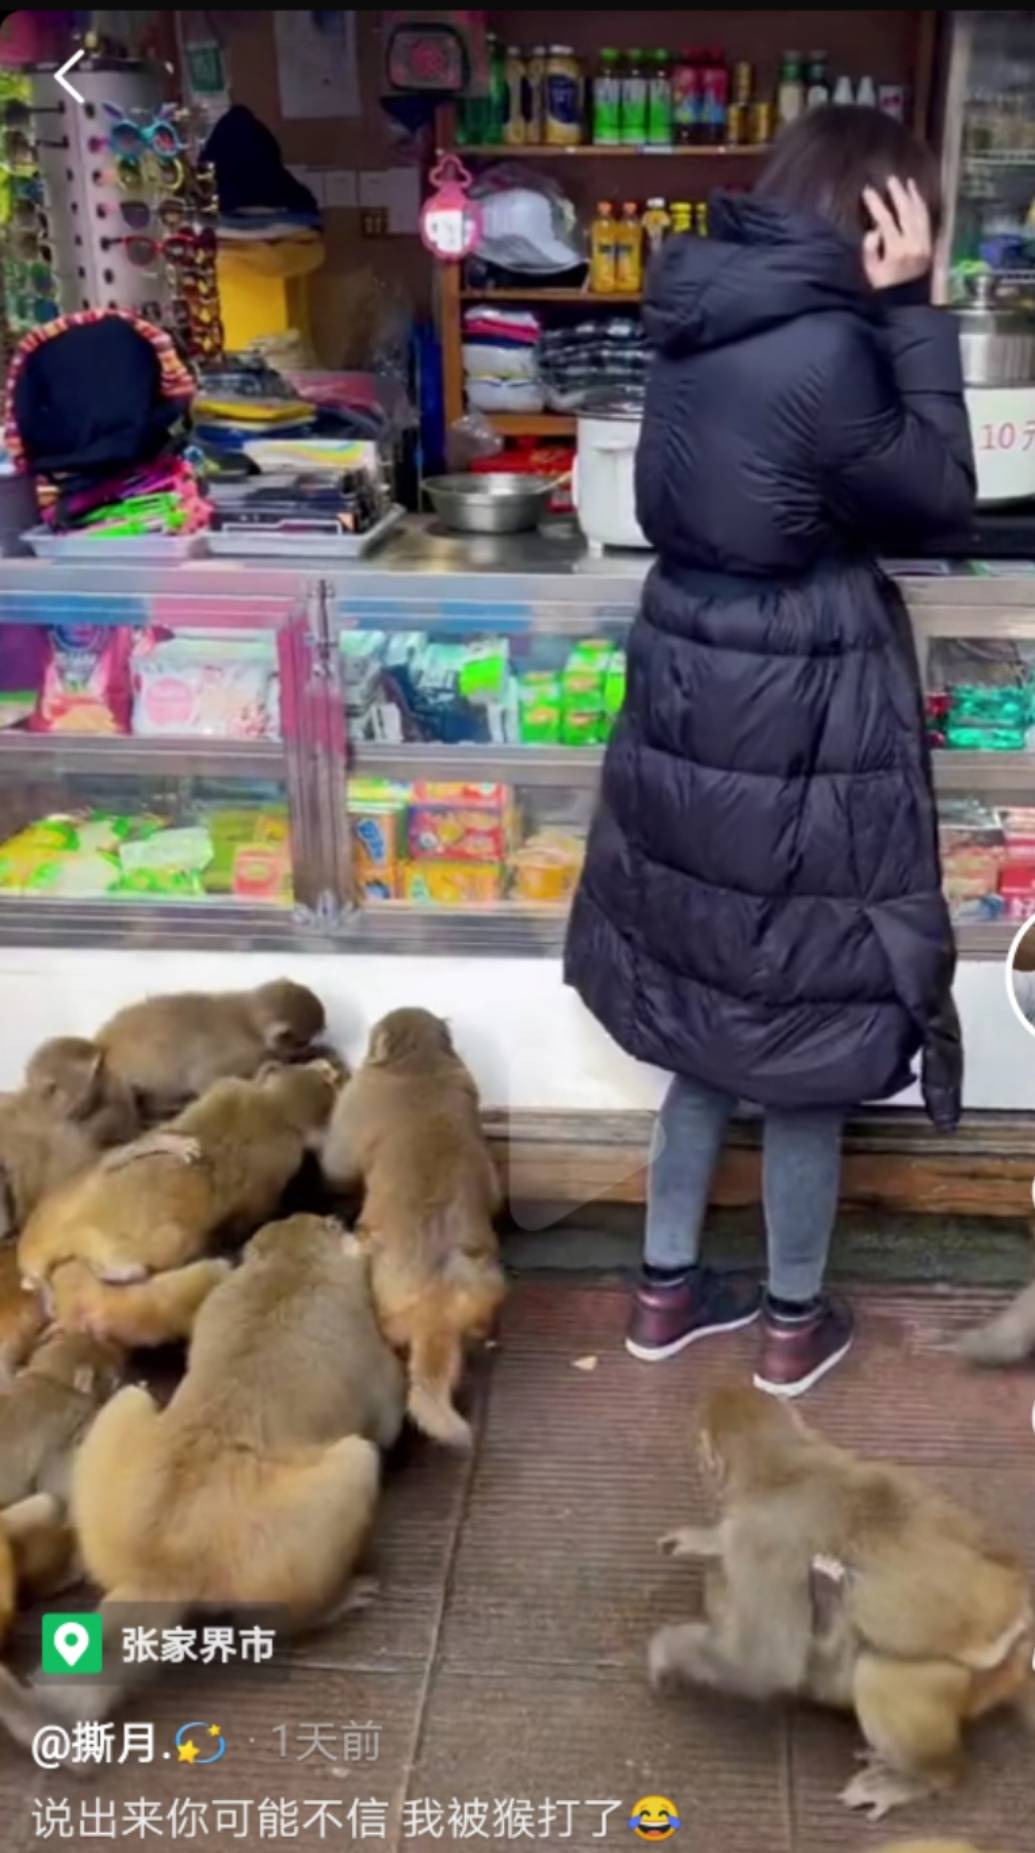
(539, 708)
(171, 852)
(482, 675)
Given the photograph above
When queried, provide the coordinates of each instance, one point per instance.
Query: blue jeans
(801, 1170)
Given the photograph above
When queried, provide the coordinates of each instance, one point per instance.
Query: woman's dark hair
(822, 162)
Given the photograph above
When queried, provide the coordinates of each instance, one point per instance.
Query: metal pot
(504, 503)
(997, 343)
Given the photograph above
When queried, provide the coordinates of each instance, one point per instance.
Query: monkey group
(144, 1181)
(145, 1199)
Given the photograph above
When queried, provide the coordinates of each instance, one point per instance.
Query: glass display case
(402, 755)
(989, 153)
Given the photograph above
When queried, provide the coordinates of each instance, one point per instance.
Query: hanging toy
(450, 222)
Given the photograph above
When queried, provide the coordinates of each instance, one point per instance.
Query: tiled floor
(504, 1659)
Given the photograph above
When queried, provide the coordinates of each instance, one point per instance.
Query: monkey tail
(436, 1358)
(1007, 1339)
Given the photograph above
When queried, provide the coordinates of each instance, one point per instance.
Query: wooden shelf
(596, 297)
(532, 424)
(547, 151)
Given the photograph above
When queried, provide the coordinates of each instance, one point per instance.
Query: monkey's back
(171, 1047)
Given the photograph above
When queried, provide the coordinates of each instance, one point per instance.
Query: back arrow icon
(60, 77)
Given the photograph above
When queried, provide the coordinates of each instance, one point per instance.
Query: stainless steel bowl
(490, 504)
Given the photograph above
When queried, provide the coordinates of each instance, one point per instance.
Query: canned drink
(738, 125)
(701, 218)
(891, 98)
(743, 84)
(761, 121)
(682, 214)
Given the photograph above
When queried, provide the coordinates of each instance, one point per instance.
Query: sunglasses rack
(116, 203)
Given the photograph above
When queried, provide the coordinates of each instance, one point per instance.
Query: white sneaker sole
(790, 1390)
(656, 1354)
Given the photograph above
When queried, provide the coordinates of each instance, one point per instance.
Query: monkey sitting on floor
(408, 1128)
(851, 1583)
(214, 1173)
(257, 1484)
(170, 1050)
(70, 1108)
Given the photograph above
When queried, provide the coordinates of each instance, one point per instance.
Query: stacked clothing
(500, 349)
(601, 354)
(242, 399)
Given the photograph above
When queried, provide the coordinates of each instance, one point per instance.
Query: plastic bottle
(657, 224)
(843, 92)
(686, 98)
(535, 94)
(603, 278)
(563, 110)
(790, 95)
(629, 250)
(496, 113)
(634, 101)
(659, 100)
(866, 95)
(607, 100)
(818, 83)
(715, 90)
(514, 78)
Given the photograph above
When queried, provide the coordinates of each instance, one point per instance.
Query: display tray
(269, 543)
(130, 549)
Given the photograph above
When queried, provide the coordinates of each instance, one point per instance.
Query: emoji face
(654, 1818)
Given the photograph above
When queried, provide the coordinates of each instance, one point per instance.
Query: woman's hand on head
(898, 248)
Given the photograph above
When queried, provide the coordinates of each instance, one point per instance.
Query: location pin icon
(71, 1641)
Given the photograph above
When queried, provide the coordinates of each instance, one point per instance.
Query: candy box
(86, 685)
(539, 708)
(461, 823)
(452, 884)
(263, 827)
(262, 872)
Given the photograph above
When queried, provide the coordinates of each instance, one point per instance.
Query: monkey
(158, 1311)
(407, 1126)
(170, 1050)
(256, 1486)
(37, 1548)
(1009, 1338)
(69, 1109)
(214, 1173)
(47, 1410)
(930, 1623)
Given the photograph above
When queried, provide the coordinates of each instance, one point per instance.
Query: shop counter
(400, 754)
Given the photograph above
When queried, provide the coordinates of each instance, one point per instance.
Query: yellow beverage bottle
(603, 278)
(629, 250)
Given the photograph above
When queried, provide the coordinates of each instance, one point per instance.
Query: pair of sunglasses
(133, 172)
(143, 252)
(138, 214)
(20, 149)
(160, 136)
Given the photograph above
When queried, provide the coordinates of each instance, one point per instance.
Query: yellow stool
(263, 288)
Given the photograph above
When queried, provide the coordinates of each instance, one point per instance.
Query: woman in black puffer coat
(761, 910)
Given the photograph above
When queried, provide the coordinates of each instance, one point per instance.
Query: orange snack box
(461, 823)
(452, 884)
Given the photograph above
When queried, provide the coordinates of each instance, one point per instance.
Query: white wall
(529, 1041)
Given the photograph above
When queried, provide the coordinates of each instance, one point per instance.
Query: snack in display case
(204, 686)
(411, 687)
(460, 823)
(981, 695)
(457, 845)
(205, 852)
(85, 687)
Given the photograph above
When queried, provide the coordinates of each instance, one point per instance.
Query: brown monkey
(257, 1484)
(158, 1311)
(1009, 1338)
(147, 1208)
(408, 1127)
(930, 1625)
(47, 1410)
(169, 1050)
(37, 1548)
(69, 1110)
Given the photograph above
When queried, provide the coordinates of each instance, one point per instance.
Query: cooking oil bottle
(603, 277)
(629, 250)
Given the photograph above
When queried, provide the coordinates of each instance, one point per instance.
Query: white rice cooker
(603, 486)
(997, 347)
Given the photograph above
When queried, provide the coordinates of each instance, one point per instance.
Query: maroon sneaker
(796, 1353)
(666, 1319)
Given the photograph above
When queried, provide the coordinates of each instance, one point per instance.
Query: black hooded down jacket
(761, 906)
